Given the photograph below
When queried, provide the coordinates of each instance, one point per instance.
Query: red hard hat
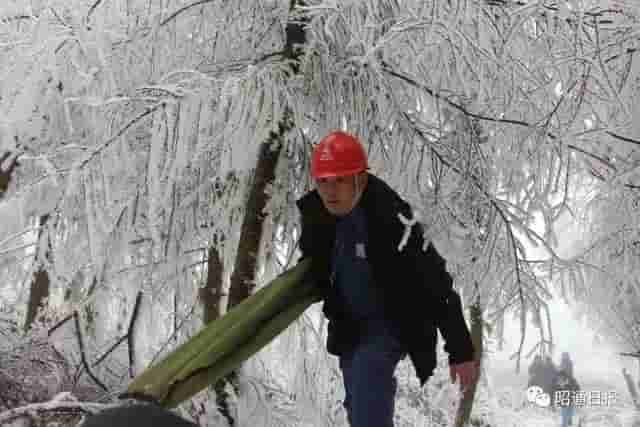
(338, 154)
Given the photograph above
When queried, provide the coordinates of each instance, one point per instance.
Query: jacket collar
(377, 194)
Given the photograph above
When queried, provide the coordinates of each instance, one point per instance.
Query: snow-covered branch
(53, 407)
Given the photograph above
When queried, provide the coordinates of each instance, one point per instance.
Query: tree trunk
(211, 300)
(212, 292)
(5, 175)
(243, 275)
(39, 285)
(466, 404)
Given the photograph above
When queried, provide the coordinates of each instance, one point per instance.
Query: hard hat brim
(348, 172)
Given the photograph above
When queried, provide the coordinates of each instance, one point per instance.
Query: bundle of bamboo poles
(228, 341)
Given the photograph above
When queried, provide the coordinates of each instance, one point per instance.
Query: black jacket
(415, 287)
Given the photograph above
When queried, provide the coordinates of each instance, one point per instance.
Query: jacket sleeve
(305, 244)
(436, 289)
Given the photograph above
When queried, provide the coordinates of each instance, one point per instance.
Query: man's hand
(467, 371)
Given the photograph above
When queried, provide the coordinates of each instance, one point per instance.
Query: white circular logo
(536, 395)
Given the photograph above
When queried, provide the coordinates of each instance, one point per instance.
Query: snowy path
(509, 409)
(600, 417)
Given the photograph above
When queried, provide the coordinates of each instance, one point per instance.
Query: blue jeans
(566, 412)
(369, 382)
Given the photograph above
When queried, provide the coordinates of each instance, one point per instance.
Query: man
(383, 299)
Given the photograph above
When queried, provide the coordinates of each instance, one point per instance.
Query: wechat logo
(537, 396)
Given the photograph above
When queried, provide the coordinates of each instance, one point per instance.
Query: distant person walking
(548, 373)
(566, 364)
(564, 390)
(535, 372)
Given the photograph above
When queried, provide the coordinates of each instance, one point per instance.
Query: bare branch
(128, 337)
(182, 10)
(83, 355)
(8, 19)
(623, 138)
(19, 234)
(120, 133)
(134, 317)
(59, 324)
(93, 8)
(170, 338)
(18, 248)
(387, 69)
(109, 351)
(468, 113)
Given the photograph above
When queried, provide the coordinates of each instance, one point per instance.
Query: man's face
(337, 193)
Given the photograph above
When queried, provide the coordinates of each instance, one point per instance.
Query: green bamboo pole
(200, 379)
(224, 335)
(254, 314)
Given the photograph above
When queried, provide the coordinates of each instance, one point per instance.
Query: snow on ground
(510, 408)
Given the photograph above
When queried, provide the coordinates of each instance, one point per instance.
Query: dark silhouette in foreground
(137, 416)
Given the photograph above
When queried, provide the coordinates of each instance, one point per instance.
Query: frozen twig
(128, 337)
(59, 324)
(121, 132)
(16, 249)
(54, 406)
(93, 7)
(83, 355)
(173, 334)
(19, 234)
(413, 82)
(183, 9)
